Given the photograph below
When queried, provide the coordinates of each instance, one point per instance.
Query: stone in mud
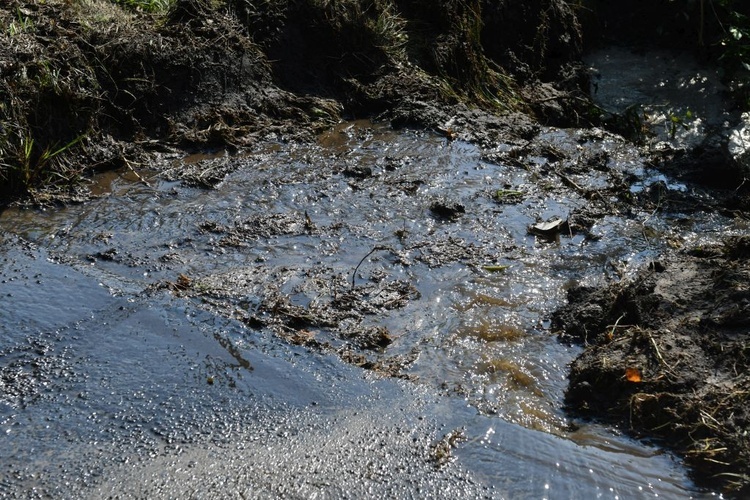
(357, 171)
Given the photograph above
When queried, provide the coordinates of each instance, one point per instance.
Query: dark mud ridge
(667, 356)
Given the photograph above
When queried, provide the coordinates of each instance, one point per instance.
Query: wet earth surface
(385, 312)
(366, 312)
(367, 315)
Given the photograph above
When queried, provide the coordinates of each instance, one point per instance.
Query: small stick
(144, 181)
(375, 249)
(658, 353)
(614, 327)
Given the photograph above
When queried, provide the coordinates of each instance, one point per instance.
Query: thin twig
(140, 178)
(375, 249)
(658, 353)
(614, 327)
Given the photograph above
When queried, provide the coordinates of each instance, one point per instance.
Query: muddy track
(88, 87)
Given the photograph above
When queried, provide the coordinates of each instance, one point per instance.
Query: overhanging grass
(152, 6)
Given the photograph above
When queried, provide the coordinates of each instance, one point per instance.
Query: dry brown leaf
(633, 375)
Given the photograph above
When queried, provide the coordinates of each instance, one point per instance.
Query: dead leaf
(495, 268)
(633, 375)
(548, 229)
(183, 282)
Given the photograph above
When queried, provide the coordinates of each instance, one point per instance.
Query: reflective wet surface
(680, 100)
(140, 355)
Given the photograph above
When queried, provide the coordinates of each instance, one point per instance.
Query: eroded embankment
(89, 86)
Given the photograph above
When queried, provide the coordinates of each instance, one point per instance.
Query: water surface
(117, 384)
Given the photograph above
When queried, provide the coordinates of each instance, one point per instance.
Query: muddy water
(141, 357)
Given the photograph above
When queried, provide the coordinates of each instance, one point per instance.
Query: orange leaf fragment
(633, 375)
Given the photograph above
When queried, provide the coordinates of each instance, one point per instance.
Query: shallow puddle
(165, 328)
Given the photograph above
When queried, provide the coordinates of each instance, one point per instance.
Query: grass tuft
(26, 164)
(151, 6)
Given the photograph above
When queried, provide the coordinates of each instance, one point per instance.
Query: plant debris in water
(338, 320)
(442, 451)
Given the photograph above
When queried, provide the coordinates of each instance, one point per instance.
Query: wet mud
(215, 328)
(249, 274)
(666, 355)
(103, 87)
(664, 342)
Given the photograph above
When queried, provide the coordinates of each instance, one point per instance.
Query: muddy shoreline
(666, 353)
(666, 356)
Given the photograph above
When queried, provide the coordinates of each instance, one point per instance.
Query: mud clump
(447, 209)
(667, 357)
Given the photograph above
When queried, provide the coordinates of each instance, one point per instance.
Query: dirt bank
(667, 356)
(88, 85)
